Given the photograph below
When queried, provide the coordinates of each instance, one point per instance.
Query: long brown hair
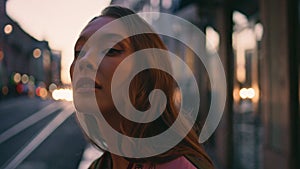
(147, 80)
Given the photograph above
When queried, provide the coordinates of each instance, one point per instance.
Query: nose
(87, 63)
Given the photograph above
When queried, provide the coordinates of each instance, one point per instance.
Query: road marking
(29, 121)
(11, 102)
(39, 138)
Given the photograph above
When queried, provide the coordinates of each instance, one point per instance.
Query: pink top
(104, 162)
(178, 163)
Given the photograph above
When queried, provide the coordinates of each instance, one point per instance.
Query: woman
(93, 77)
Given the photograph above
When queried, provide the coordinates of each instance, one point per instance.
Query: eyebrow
(83, 39)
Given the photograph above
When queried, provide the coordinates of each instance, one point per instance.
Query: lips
(86, 84)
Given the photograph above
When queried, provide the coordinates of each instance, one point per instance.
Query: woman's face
(89, 78)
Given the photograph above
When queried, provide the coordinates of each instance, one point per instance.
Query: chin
(85, 104)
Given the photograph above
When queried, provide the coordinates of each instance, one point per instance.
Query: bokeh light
(5, 90)
(8, 29)
(247, 93)
(62, 94)
(36, 53)
(17, 77)
(1, 55)
(52, 87)
(25, 79)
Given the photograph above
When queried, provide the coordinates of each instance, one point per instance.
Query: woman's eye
(112, 52)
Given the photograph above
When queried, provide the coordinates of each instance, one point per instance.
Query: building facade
(25, 62)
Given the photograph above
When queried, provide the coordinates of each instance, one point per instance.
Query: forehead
(103, 27)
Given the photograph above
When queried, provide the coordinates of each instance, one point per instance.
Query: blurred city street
(36, 133)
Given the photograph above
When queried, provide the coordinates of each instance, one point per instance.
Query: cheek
(106, 70)
(108, 67)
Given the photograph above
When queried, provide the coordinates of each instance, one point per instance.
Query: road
(41, 134)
